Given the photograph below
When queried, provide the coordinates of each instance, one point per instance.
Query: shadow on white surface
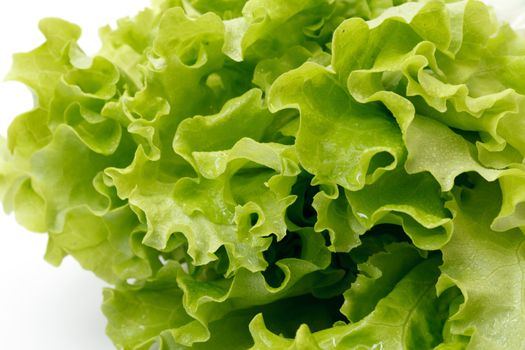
(44, 307)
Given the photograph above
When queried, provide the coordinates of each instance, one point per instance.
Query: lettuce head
(279, 175)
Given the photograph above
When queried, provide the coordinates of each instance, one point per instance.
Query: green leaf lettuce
(263, 174)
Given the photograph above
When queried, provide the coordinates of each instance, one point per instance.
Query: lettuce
(320, 174)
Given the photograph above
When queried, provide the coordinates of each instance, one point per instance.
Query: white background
(41, 307)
